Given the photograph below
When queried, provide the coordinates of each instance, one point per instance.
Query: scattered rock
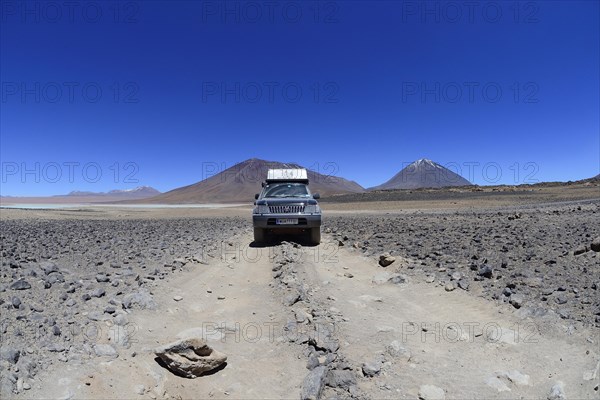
(386, 259)
(97, 316)
(343, 379)
(21, 284)
(372, 368)
(98, 292)
(449, 287)
(70, 303)
(105, 350)
(291, 298)
(557, 392)
(101, 278)
(15, 301)
(177, 298)
(560, 299)
(313, 383)
(396, 350)
(56, 347)
(595, 246)
(48, 267)
(517, 300)
(10, 355)
(431, 392)
(580, 250)
(121, 320)
(190, 357)
(486, 271)
(142, 299)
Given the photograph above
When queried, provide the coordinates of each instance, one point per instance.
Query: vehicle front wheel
(315, 235)
(259, 235)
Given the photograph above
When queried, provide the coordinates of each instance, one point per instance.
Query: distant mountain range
(139, 192)
(423, 173)
(239, 183)
(75, 197)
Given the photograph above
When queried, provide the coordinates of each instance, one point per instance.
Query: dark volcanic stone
(21, 284)
(49, 267)
(580, 250)
(16, 302)
(595, 246)
(463, 284)
(340, 378)
(517, 300)
(313, 383)
(485, 271)
(55, 277)
(10, 355)
(98, 292)
(560, 299)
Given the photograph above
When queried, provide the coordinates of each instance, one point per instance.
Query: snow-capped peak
(426, 163)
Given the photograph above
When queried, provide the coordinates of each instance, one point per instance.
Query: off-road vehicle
(285, 205)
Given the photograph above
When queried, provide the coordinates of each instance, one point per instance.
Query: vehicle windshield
(283, 190)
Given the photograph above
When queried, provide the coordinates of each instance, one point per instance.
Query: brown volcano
(240, 182)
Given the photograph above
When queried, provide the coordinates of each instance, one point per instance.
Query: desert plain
(450, 293)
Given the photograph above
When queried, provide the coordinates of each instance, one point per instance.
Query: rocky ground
(486, 303)
(66, 283)
(537, 258)
(519, 194)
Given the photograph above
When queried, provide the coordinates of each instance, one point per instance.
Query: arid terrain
(443, 295)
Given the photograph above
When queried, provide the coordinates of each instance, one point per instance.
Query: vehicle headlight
(261, 209)
(312, 209)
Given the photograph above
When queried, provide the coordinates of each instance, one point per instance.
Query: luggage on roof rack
(287, 175)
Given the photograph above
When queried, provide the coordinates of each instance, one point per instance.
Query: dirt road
(394, 338)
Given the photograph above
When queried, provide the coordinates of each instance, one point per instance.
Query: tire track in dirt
(417, 334)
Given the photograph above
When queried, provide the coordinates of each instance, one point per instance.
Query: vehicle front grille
(287, 209)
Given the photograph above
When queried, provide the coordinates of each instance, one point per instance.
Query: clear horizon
(211, 169)
(160, 93)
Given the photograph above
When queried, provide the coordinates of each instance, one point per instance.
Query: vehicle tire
(259, 235)
(315, 235)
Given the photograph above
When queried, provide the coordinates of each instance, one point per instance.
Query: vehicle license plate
(287, 221)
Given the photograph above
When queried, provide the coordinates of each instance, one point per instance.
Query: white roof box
(287, 175)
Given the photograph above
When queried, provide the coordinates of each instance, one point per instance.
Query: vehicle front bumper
(269, 221)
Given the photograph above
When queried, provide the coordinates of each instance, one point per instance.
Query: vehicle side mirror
(316, 196)
(256, 196)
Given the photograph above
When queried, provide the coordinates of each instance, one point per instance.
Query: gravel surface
(64, 281)
(540, 258)
(73, 288)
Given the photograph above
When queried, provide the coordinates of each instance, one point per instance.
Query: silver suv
(285, 205)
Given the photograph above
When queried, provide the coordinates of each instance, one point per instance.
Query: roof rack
(287, 175)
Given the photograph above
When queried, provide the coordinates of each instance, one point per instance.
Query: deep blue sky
(379, 88)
